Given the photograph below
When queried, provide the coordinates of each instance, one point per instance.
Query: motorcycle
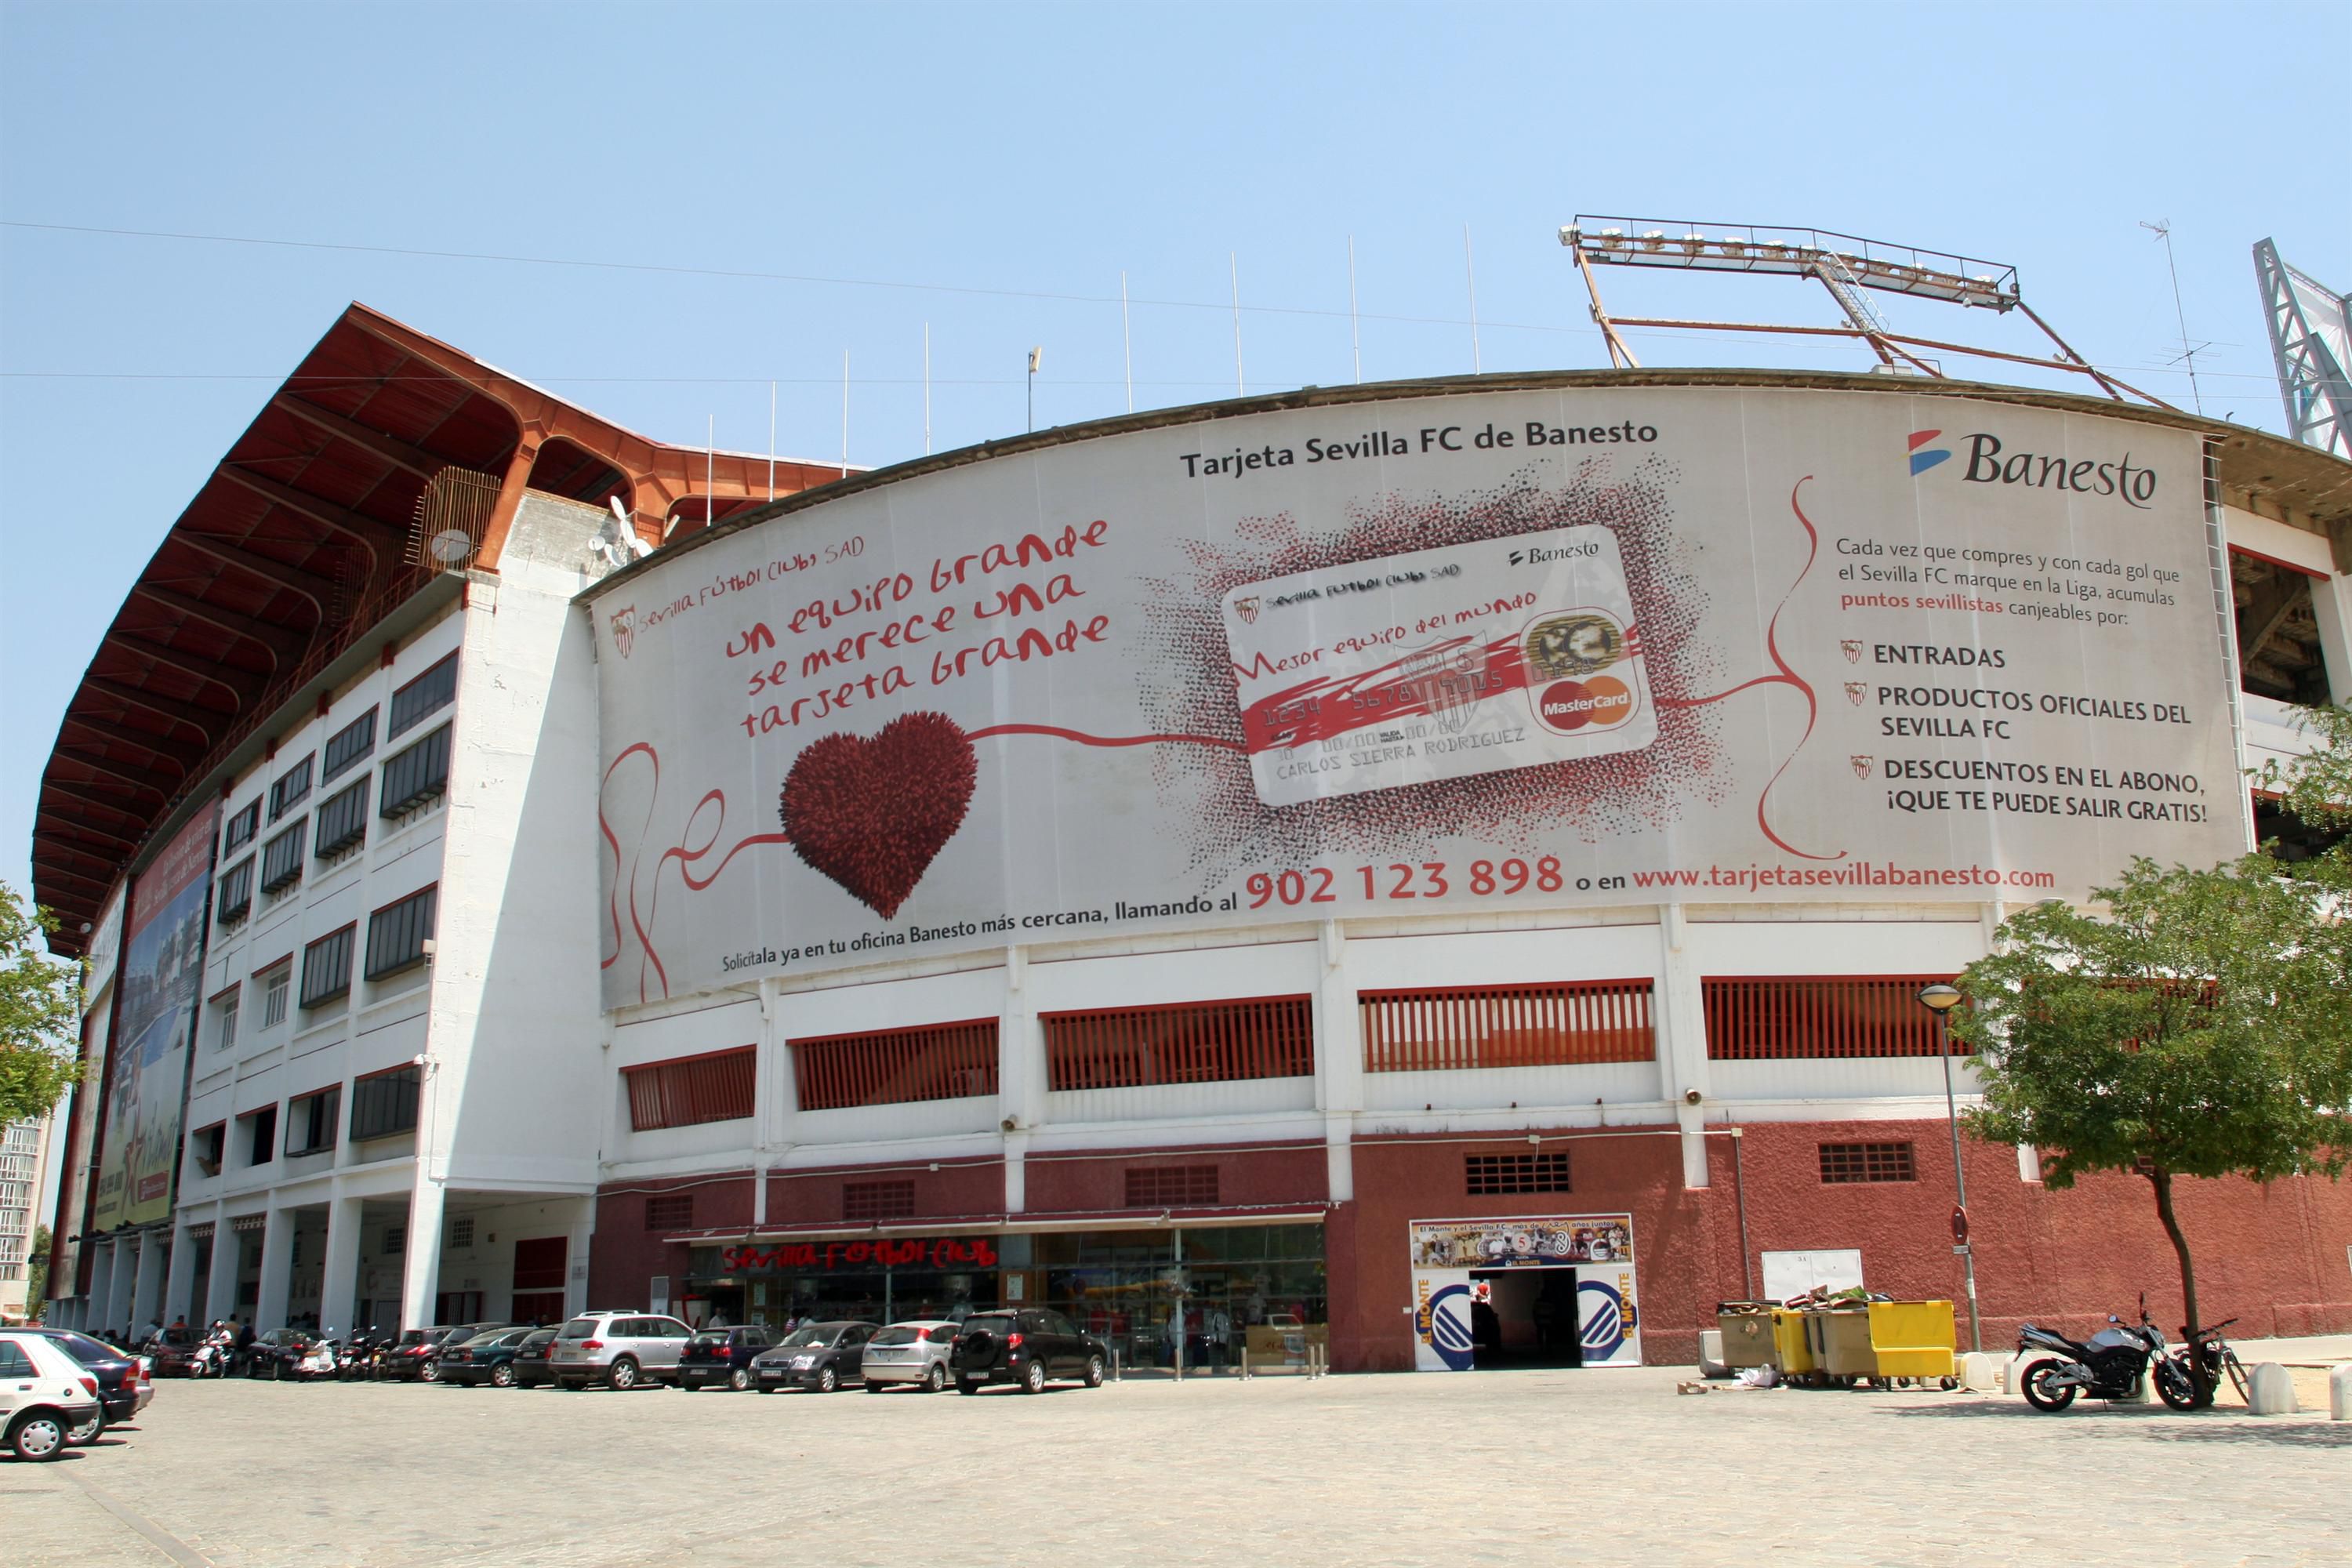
(2110, 1364)
(212, 1357)
(317, 1360)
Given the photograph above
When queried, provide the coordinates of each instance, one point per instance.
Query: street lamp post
(1940, 1000)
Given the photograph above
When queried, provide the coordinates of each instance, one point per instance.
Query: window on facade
(311, 1121)
(1508, 1027)
(428, 693)
(398, 933)
(1270, 1036)
(291, 788)
(1843, 1163)
(277, 987)
(341, 821)
(895, 1067)
(719, 1087)
(415, 775)
(384, 1104)
(1171, 1186)
(396, 1240)
(225, 1010)
(241, 828)
(877, 1200)
(281, 858)
(327, 968)
(260, 1129)
(205, 1147)
(1497, 1176)
(235, 900)
(670, 1211)
(1781, 1017)
(458, 1233)
(351, 743)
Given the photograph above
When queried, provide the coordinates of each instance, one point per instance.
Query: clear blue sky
(1041, 152)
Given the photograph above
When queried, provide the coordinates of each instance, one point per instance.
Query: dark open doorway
(1524, 1318)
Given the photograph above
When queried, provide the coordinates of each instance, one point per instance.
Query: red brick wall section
(2271, 1255)
(1083, 1181)
(969, 1189)
(624, 1255)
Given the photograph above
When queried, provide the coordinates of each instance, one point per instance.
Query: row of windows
(398, 936)
(1586, 1022)
(384, 1104)
(412, 777)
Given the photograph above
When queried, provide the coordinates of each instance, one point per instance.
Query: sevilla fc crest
(1853, 650)
(1861, 766)
(1856, 690)
(624, 628)
(1247, 610)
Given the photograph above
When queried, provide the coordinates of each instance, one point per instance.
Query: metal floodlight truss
(2311, 339)
(1844, 264)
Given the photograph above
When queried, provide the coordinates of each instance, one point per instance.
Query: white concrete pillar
(1339, 1059)
(119, 1285)
(2339, 1393)
(2331, 606)
(228, 1262)
(775, 1097)
(575, 1258)
(180, 1272)
(1680, 1015)
(1022, 1081)
(147, 1291)
(338, 1283)
(101, 1281)
(420, 1268)
(277, 1270)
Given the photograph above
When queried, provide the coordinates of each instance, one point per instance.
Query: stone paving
(1608, 1466)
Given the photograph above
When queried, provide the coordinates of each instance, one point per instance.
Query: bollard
(1979, 1371)
(2339, 1394)
(2269, 1390)
(1245, 1371)
(1116, 1376)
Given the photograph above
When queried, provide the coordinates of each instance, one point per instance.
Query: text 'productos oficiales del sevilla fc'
(1761, 642)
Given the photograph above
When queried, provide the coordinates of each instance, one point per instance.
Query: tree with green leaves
(2189, 1024)
(40, 1015)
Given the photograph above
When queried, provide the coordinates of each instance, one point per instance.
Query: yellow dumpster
(1913, 1339)
(1793, 1347)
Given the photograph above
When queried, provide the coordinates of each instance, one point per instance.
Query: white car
(45, 1394)
(913, 1353)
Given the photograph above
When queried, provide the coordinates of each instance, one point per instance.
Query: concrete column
(147, 1293)
(775, 1097)
(1338, 1061)
(1020, 1075)
(277, 1270)
(119, 1284)
(420, 1268)
(101, 1279)
(1681, 1019)
(228, 1262)
(575, 1258)
(180, 1272)
(339, 1284)
(2331, 607)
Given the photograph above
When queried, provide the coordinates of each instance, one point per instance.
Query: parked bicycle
(2214, 1361)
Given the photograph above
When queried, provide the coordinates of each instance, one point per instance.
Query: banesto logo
(1989, 464)
(1536, 555)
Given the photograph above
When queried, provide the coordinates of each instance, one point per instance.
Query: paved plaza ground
(1594, 1466)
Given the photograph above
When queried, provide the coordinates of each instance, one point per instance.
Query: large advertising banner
(1476, 1285)
(1568, 647)
(160, 976)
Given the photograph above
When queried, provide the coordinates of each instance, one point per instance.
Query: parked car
(124, 1386)
(913, 1353)
(45, 1394)
(531, 1369)
(819, 1356)
(1025, 1348)
(620, 1350)
(174, 1354)
(722, 1356)
(486, 1358)
(419, 1357)
(278, 1353)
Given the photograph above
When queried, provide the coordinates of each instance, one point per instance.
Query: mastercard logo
(1600, 703)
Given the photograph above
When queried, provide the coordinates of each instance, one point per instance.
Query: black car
(418, 1353)
(820, 1356)
(722, 1356)
(277, 1354)
(486, 1358)
(123, 1386)
(1025, 1348)
(529, 1364)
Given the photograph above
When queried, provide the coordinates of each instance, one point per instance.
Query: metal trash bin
(1844, 1334)
(1748, 1338)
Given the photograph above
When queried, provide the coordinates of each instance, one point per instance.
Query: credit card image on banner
(1439, 664)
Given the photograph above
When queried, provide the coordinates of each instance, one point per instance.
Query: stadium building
(1262, 874)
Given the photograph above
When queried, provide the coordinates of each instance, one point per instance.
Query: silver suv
(621, 1349)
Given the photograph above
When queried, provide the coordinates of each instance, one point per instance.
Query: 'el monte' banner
(160, 976)
(1585, 646)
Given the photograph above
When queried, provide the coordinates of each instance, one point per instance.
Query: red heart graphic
(872, 815)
